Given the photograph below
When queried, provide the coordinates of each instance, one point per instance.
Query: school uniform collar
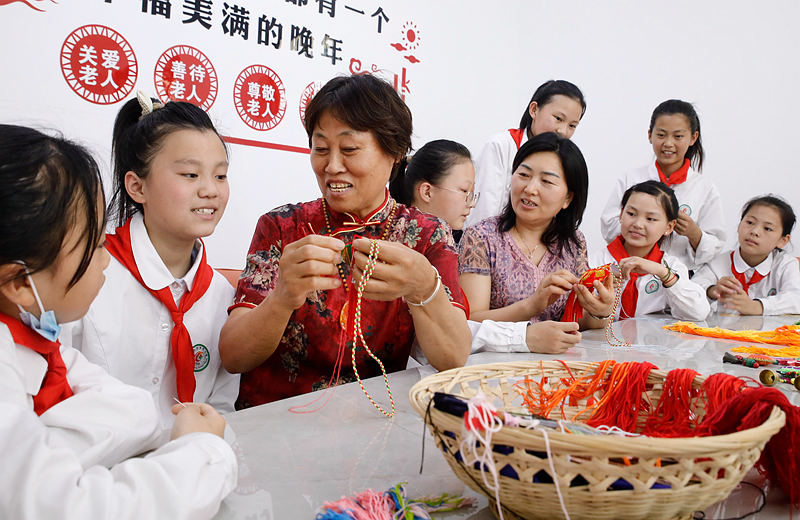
(743, 267)
(347, 222)
(151, 267)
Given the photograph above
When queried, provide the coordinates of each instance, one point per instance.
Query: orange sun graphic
(410, 36)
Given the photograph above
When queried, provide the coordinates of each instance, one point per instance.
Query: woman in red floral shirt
(284, 329)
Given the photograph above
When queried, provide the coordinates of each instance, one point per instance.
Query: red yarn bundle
(625, 398)
(779, 460)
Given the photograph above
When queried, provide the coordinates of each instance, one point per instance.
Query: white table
(290, 464)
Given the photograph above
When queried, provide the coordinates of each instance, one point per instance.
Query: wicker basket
(689, 474)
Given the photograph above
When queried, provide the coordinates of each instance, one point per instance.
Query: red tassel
(625, 400)
(780, 460)
(572, 310)
(672, 417)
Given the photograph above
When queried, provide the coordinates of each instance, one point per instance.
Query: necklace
(347, 254)
(524, 244)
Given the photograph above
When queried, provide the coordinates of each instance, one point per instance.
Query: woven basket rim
(613, 445)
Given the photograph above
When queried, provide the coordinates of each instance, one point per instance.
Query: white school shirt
(127, 330)
(697, 197)
(493, 176)
(70, 462)
(685, 300)
(778, 291)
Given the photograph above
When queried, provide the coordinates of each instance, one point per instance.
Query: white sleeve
(491, 179)
(186, 478)
(712, 223)
(498, 336)
(225, 390)
(105, 420)
(705, 277)
(609, 219)
(787, 300)
(687, 300)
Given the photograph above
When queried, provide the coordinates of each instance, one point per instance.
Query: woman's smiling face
(352, 169)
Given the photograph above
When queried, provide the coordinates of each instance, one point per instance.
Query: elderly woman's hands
(308, 265)
(399, 272)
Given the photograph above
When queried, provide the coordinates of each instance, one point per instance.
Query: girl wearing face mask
(556, 106)
(675, 136)
(757, 277)
(156, 322)
(655, 281)
(70, 429)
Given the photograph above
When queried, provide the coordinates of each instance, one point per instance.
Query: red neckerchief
(757, 277)
(677, 177)
(517, 134)
(55, 387)
(119, 245)
(631, 294)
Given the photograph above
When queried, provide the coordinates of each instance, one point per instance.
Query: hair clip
(147, 104)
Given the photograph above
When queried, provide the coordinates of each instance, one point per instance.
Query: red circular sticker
(308, 93)
(259, 97)
(98, 64)
(183, 73)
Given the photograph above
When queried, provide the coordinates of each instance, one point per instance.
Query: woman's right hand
(308, 265)
(552, 337)
(552, 287)
(196, 417)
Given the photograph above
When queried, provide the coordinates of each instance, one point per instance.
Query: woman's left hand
(399, 272)
(599, 304)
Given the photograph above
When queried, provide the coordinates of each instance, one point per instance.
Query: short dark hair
(365, 103)
(544, 94)
(47, 185)
(663, 194)
(562, 231)
(137, 138)
(784, 210)
(428, 164)
(695, 152)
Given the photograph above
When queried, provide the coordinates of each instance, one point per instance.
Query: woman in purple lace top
(521, 265)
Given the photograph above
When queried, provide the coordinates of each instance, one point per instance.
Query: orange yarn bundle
(788, 335)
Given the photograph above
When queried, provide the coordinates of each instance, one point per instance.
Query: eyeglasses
(471, 196)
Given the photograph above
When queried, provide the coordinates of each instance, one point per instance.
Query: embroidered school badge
(685, 209)
(201, 357)
(651, 286)
(772, 292)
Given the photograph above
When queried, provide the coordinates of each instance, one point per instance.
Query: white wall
(480, 63)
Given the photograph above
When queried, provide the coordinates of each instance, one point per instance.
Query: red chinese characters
(183, 73)
(98, 64)
(259, 97)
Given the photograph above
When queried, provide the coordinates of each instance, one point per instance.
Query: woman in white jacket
(68, 430)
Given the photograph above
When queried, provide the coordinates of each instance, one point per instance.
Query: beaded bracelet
(435, 290)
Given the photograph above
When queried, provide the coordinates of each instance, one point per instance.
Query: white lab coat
(685, 300)
(127, 330)
(493, 176)
(778, 291)
(70, 462)
(697, 197)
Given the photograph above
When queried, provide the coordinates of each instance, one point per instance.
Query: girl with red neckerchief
(556, 106)
(655, 280)
(674, 133)
(70, 431)
(758, 276)
(156, 321)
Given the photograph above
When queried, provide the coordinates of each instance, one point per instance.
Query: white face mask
(46, 324)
